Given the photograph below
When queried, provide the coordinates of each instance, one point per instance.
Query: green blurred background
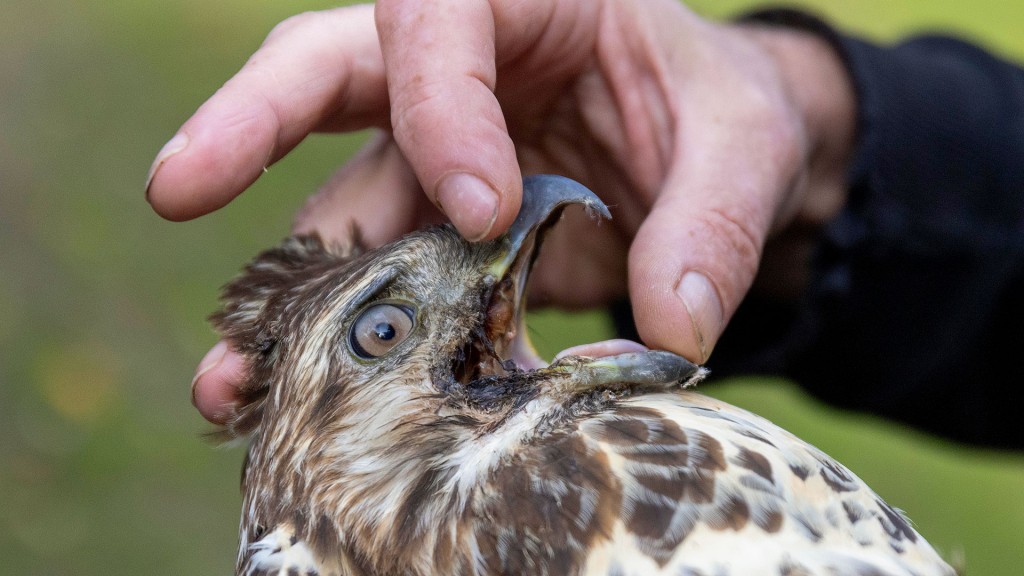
(102, 304)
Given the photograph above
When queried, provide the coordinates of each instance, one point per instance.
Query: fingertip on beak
(470, 203)
(704, 308)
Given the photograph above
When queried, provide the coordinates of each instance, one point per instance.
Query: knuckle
(390, 13)
(412, 106)
(293, 25)
(249, 112)
(737, 230)
(431, 107)
(784, 139)
(767, 112)
(774, 125)
(314, 205)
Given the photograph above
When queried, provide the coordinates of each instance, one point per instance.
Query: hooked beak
(544, 198)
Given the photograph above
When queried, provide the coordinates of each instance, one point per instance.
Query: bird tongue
(612, 363)
(526, 358)
(603, 348)
(620, 368)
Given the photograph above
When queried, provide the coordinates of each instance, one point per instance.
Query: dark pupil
(384, 331)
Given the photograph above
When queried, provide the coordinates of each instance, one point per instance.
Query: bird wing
(708, 488)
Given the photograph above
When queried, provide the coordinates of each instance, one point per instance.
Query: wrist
(820, 88)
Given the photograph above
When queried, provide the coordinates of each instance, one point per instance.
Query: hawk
(401, 424)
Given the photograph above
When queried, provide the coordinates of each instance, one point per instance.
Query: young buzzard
(402, 425)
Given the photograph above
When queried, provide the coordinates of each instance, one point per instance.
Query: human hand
(703, 138)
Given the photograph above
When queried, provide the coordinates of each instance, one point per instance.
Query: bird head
(404, 371)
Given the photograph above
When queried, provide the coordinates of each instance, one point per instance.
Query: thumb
(695, 256)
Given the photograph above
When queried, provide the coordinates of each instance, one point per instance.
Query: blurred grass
(102, 470)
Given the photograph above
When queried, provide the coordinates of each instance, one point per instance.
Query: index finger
(319, 70)
(441, 69)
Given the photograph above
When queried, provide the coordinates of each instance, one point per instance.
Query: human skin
(721, 148)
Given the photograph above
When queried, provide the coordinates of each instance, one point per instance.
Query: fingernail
(705, 309)
(173, 146)
(469, 203)
(209, 362)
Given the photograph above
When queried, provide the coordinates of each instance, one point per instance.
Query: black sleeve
(916, 306)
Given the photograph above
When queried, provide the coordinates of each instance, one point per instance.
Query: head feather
(254, 314)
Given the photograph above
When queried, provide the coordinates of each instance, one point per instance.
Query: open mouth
(498, 357)
(499, 345)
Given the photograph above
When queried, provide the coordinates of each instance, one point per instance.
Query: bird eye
(379, 329)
